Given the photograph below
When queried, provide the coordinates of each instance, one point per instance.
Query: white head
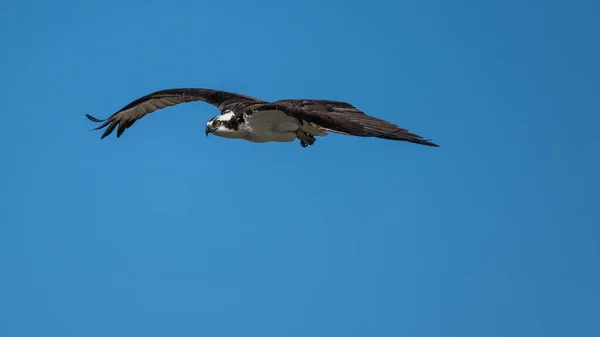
(224, 125)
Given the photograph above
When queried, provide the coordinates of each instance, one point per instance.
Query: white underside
(271, 126)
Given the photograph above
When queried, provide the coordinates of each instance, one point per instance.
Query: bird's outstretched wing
(142, 106)
(343, 118)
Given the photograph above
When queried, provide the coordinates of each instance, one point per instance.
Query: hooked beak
(209, 129)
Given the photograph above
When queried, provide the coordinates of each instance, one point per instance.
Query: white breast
(270, 126)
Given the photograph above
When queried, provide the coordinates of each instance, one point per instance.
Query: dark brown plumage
(343, 118)
(132, 112)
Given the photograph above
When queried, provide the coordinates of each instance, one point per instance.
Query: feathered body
(255, 120)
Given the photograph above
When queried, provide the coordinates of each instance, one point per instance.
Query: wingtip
(94, 119)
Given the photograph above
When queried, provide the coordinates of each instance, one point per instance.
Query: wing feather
(344, 118)
(132, 112)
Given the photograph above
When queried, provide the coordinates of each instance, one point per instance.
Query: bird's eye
(217, 122)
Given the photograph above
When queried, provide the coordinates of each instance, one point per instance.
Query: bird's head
(223, 125)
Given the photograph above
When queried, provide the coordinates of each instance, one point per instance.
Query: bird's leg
(305, 138)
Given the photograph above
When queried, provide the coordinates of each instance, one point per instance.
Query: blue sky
(165, 232)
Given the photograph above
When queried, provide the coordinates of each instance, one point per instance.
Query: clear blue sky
(165, 232)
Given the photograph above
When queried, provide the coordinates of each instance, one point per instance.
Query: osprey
(255, 120)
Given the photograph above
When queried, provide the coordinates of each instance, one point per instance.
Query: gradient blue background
(165, 232)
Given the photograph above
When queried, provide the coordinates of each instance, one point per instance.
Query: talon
(305, 138)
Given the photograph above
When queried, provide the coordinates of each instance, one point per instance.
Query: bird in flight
(255, 120)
